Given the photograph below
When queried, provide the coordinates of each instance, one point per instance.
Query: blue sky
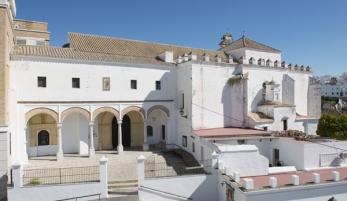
(307, 32)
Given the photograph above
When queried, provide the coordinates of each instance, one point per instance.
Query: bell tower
(227, 39)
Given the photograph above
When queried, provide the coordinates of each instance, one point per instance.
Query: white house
(100, 93)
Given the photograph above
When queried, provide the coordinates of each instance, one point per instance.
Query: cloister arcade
(77, 130)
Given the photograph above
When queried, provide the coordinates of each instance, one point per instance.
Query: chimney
(243, 60)
(284, 64)
(185, 57)
(166, 56)
(217, 58)
(251, 60)
(290, 66)
(268, 62)
(192, 56)
(230, 60)
(277, 63)
(179, 59)
(205, 57)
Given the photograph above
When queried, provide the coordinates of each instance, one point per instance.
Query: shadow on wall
(230, 106)
(258, 98)
(3, 187)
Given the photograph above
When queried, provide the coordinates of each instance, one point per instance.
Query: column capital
(59, 125)
(120, 121)
(91, 123)
(25, 127)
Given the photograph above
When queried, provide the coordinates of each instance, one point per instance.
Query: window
(157, 85)
(43, 138)
(75, 82)
(21, 41)
(163, 132)
(193, 147)
(133, 84)
(184, 141)
(149, 131)
(285, 125)
(41, 81)
(332, 93)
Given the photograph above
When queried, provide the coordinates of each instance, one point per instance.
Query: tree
(333, 126)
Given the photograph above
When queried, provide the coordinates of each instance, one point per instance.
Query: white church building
(104, 93)
(101, 93)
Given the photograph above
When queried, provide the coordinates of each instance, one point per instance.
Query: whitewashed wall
(59, 74)
(250, 158)
(213, 95)
(316, 192)
(256, 54)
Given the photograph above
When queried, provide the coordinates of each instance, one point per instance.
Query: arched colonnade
(103, 125)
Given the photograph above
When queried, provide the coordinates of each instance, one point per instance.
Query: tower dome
(227, 39)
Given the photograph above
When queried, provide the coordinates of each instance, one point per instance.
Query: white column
(17, 176)
(120, 145)
(145, 144)
(91, 140)
(25, 145)
(60, 155)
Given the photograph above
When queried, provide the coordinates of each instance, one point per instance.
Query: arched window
(43, 138)
(149, 131)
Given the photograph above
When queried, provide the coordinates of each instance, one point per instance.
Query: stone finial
(335, 176)
(259, 62)
(227, 170)
(302, 67)
(236, 176)
(308, 68)
(248, 184)
(220, 165)
(205, 57)
(315, 178)
(273, 182)
(295, 180)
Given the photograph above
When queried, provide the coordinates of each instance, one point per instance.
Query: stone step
(124, 191)
(122, 181)
(122, 185)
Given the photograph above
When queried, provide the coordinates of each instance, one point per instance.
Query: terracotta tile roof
(230, 132)
(284, 179)
(70, 53)
(245, 42)
(126, 47)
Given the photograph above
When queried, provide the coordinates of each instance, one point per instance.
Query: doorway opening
(126, 137)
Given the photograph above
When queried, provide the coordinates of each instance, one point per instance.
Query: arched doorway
(126, 131)
(43, 138)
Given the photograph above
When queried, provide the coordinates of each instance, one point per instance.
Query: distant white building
(333, 86)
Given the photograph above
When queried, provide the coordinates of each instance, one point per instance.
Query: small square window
(133, 84)
(157, 85)
(41, 81)
(75, 82)
(184, 141)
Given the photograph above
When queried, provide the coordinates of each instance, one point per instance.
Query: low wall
(197, 187)
(58, 192)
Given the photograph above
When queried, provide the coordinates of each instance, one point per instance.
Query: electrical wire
(254, 126)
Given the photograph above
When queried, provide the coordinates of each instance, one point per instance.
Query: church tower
(7, 13)
(227, 39)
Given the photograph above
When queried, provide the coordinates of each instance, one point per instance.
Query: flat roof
(284, 179)
(230, 132)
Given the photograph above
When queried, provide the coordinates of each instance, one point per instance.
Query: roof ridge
(142, 41)
(263, 44)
